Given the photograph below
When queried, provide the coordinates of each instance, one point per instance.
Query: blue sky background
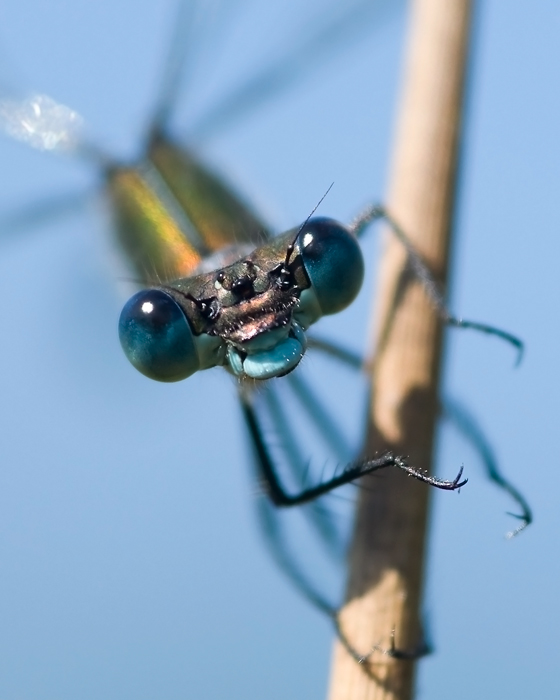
(130, 561)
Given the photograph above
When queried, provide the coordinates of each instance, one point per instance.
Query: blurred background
(131, 565)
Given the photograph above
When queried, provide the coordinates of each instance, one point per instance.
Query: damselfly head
(250, 316)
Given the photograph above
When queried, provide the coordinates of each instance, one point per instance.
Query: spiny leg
(272, 527)
(279, 496)
(474, 434)
(423, 648)
(424, 275)
(348, 357)
(468, 426)
(317, 514)
(318, 414)
(285, 560)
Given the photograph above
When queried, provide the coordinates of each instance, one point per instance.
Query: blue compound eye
(333, 261)
(156, 337)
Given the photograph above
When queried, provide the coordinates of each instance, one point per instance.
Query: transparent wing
(42, 123)
(290, 59)
(322, 38)
(198, 29)
(47, 125)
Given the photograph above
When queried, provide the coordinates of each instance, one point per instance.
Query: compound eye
(157, 338)
(333, 260)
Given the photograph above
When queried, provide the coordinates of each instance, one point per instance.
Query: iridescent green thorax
(170, 212)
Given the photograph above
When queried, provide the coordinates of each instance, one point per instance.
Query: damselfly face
(250, 316)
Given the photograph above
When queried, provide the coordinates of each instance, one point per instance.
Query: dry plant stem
(386, 561)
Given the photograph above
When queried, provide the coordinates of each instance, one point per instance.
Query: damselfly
(245, 285)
